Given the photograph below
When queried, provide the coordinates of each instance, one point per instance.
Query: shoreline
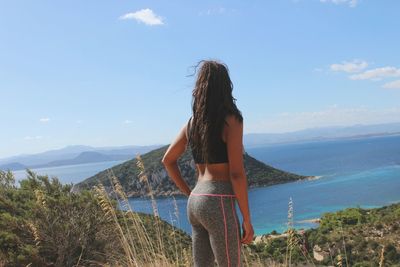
(312, 220)
(316, 177)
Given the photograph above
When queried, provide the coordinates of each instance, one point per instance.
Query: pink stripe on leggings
(234, 218)
(226, 233)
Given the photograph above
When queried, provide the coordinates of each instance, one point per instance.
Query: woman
(214, 134)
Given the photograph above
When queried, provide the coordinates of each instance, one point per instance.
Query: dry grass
(293, 240)
(35, 233)
(382, 257)
(134, 235)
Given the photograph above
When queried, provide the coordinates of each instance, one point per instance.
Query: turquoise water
(269, 205)
(359, 172)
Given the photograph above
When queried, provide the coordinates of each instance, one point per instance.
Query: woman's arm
(170, 161)
(237, 173)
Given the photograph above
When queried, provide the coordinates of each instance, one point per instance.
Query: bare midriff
(213, 172)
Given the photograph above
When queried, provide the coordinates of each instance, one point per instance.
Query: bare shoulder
(233, 121)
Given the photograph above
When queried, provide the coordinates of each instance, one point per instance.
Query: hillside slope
(360, 237)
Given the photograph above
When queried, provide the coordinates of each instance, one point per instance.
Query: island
(258, 174)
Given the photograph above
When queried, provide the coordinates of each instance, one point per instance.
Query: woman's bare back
(214, 171)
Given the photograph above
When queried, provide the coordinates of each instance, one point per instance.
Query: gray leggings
(215, 224)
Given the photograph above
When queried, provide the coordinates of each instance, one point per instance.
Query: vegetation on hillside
(42, 223)
(350, 237)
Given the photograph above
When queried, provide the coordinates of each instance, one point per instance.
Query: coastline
(311, 178)
(312, 220)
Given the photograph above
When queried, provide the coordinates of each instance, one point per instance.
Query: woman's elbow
(166, 160)
(237, 176)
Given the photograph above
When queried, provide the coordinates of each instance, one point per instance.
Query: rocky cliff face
(258, 174)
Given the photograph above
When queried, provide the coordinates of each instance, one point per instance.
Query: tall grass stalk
(138, 248)
(290, 232)
(293, 240)
(382, 257)
(144, 178)
(344, 243)
(111, 214)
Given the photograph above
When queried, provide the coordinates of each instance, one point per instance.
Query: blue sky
(108, 73)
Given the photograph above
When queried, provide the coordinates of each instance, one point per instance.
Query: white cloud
(146, 16)
(79, 121)
(353, 66)
(127, 121)
(357, 67)
(351, 3)
(377, 74)
(44, 120)
(37, 137)
(330, 116)
(392, 85)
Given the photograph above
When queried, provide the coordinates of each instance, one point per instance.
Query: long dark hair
(212, 101)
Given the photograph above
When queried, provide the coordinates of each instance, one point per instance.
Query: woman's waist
(215, 171)
(213, 187)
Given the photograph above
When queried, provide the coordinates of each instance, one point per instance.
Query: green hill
(258, 174)
(356, 236)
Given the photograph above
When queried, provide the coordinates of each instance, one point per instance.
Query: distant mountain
(67, 152)
(325, 133)
(12, 166)
(258, 174)
(70, 154)
(73, 155)
(85, 157)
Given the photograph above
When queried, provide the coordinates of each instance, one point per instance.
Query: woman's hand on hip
(248, 232)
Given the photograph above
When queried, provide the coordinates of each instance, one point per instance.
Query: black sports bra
(221, 150)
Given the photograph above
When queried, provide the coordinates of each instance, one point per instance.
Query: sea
(70, 174)
(360, 172)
